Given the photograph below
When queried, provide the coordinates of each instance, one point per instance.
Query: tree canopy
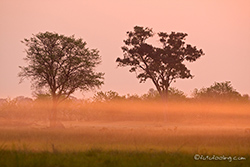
(162, 65)
(60, 65)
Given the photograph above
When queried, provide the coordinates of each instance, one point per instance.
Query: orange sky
(220, 27)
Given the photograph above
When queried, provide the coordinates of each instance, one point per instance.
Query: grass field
(96, 158)
(126, 134)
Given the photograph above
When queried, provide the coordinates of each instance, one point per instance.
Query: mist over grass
(122, 132)
(125, 110)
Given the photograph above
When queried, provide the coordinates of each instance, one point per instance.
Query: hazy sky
(220, 27)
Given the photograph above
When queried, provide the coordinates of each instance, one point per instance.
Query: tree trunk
(53, 114)
(164, 97)
(54, 123)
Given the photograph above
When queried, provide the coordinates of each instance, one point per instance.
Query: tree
(61, 65)
(218, 91)
(162, 65)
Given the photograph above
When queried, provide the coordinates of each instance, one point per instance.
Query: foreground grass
(93, 158)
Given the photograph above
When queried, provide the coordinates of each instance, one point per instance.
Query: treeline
(222, 91)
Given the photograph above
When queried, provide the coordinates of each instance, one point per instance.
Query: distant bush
(173, 95)
(222, 91)
(107, 96)
(152, 94)
(176, 94)
(42, 96)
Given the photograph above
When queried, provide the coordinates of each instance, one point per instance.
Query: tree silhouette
(162, 65)
(61, 65)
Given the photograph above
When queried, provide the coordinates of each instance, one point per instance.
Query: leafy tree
(162, 65)
(218, 91)
(61, 65)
